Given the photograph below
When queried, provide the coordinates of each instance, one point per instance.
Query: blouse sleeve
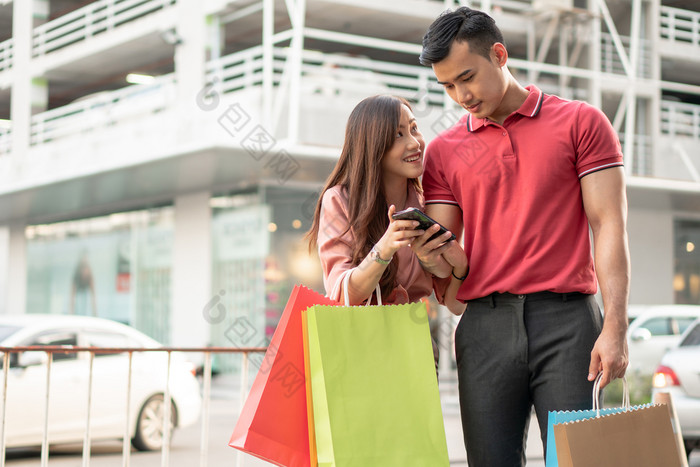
(334, 243)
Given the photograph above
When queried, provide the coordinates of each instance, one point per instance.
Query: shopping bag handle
(596, 394)
(346, 294)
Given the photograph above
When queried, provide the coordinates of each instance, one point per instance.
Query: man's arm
(605, 203)
(428, 253)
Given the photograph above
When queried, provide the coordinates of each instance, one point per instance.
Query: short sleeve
(597, 143)
(436, 189)
(334, 243)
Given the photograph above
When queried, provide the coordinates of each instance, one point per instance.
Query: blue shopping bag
(564, 416)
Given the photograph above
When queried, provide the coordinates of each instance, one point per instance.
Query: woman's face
(404, 159)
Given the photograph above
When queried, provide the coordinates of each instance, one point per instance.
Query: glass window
(58, 338)
(116, 267)
(683, 323)
(658, 326)
(693, 337)
(109, 340)
(686, 280)
(259, 255)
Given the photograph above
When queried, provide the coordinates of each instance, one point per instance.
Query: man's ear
(499, 54)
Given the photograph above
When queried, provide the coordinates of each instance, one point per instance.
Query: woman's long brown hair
(370, 132)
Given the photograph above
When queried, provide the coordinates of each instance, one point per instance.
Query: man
(523, 175)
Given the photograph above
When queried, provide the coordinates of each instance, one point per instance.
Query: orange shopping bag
(273, 424)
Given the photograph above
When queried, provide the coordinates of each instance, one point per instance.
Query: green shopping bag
(374, 390)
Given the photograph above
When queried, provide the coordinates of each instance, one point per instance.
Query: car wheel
(689, 445)
(150, 427)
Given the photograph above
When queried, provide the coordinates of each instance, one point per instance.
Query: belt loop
(492, 302)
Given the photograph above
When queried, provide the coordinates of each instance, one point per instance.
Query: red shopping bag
(273, 424)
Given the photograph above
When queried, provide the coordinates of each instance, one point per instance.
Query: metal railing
(678, 25)
(323, 73)
(680, 119)
(91, 20)
(6, 50)
(126, 450)
(104, 109)
(610, 59)
(5, 138)
(642, 164)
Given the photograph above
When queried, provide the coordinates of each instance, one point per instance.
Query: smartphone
(414, 214)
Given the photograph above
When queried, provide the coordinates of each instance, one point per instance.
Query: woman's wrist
(376, 255)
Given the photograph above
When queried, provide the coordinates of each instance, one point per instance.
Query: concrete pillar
(191, 270)
(29, 96)
(16, 271)
(194, 32)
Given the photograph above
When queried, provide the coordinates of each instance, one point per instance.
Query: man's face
(473, 81)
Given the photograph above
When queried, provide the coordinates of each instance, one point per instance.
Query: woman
(377, 175)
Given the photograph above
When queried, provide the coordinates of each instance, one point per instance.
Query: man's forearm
(613, 272)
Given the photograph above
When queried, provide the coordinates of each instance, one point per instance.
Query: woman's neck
(397, 194)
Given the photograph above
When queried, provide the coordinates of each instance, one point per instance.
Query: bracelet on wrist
(374, 254)
(460, 278)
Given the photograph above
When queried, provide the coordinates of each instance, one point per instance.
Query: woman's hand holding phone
(400, 233)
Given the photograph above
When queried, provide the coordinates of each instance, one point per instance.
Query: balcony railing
(610, 60)
(681, 26)
(6, 54)
(680, 119)
(326, 74)
(642, 156)
(91, 20)
(103, 110)
(5, 137)
(5, 353)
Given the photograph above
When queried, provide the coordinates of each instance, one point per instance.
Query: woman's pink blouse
(336, 253)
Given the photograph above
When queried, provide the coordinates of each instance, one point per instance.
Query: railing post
(243, 393)
(86, 440)
(126, 443)
(45, 440)
(5, 372)
(165, 449)
(206, 398)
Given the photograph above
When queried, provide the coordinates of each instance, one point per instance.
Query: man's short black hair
(462, 25)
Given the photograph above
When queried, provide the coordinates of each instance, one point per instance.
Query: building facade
(160, 159)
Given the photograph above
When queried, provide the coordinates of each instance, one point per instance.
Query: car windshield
(692, 338)
(7, 331)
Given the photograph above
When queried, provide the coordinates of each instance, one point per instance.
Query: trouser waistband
(495, 298)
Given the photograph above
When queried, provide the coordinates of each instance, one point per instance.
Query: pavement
(453, 428)
(224, 387)
(187, 451)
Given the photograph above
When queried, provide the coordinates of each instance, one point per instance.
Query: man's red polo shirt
(525, 229)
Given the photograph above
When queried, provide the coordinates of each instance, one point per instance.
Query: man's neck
(512, 100)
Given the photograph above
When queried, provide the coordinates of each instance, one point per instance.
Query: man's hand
(429, 253)
(609, 356)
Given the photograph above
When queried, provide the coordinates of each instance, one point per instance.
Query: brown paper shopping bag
(640, 436)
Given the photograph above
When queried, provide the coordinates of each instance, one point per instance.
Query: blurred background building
(160, 159)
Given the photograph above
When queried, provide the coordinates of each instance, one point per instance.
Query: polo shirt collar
(530, 108)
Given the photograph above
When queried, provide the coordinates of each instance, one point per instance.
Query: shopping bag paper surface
(640, 437)
(273, 422)
(568, 416)
(374, 387)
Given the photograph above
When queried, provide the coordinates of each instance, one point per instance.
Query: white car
(26, 388)
(654, 330)
(679, 375)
